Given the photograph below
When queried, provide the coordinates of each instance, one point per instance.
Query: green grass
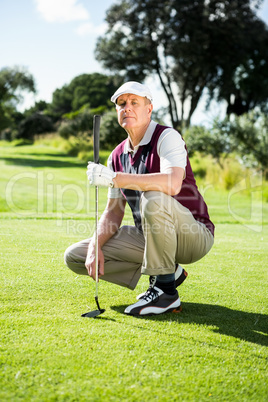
(216, 349)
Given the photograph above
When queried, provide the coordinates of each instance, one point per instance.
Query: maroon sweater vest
(146, 160)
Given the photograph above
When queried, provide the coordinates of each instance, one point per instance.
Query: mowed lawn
(216, 349)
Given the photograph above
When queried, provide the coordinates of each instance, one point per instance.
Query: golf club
(96, 132)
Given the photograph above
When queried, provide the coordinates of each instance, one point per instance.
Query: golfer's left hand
(100, 175)
(90, 263)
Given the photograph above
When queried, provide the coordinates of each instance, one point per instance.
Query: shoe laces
(151, 294)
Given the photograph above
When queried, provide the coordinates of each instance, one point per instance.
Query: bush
(232, 173)
(250, 133)
(74, 145)
(89, 156)
(66, 129)
(80, 122)
(215, 141)
(199, 166)
(207, 172)
(20, 142)
(37, 123)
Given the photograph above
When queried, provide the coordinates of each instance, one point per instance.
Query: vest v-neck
(136, 156)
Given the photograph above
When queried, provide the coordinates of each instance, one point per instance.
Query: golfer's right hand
(100, 175)
(91, 262)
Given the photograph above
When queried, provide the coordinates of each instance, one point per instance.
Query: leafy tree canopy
(13, 82)
(93, 90)
(39, 106)
(245, 135)
(190, 46)
(36, 123)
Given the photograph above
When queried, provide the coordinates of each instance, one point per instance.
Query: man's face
(133, 111)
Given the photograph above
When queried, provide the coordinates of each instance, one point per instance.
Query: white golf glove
(100, 175)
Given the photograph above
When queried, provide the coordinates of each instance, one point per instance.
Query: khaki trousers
(170, 235)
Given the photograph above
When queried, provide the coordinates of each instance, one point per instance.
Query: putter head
(93, 314)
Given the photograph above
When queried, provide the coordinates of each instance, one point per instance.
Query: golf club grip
(96, 137)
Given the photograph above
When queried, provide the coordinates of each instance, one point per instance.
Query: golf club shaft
(96, 241)
(96, 132)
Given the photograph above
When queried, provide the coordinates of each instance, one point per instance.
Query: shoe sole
(177, 310)
(170, 311)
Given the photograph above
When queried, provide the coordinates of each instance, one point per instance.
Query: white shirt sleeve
(113, 192)
(171, 150)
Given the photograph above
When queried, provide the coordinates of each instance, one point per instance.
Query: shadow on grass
(250, 327)
(41, 162)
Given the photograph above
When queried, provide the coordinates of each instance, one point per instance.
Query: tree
(190, 46)
(39, 107)
(92, 90)
(242, 79)
(13, 82)
(245, 135)
(250, 136)
(215, 141)
(79, 123)
(36, 123)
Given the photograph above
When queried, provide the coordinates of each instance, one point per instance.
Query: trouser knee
(151, 204)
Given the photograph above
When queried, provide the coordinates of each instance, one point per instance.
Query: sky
(55, 41)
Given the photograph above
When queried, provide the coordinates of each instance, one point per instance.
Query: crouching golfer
(151, 172)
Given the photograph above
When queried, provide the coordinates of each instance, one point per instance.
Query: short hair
(147, 101)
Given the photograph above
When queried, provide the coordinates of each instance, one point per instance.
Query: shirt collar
(145, 139)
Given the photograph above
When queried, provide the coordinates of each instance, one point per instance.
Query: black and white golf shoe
(155, 301)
